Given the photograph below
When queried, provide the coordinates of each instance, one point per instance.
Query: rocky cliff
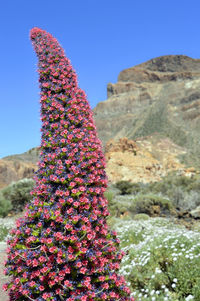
(161, 96)
(156, 105)
(17, 167)
(146, 159)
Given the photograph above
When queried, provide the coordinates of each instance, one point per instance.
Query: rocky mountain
(162, 97)
(156, 106)
(17, 167)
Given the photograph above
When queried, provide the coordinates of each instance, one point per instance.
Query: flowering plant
(62, 248)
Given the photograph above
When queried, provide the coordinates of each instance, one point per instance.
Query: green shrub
(116, 209)
(151, 204)
(3, 232)
(176, 194)
(18, 193)
(191, 200)
(109, 195)
(127, 187)
(172, 180)
(141, 216)
(119, 205)
(112, 203)
(5, 206)
(124, 187)
(181, 190)
(195, 184)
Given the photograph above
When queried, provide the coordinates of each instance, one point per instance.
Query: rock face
(17, 167)
(159, 96)
(146, 159)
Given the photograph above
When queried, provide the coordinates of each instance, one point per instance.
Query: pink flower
(49, 240)
(67, 283)
(42, 259)
(44, 270)
(89, 236)
(78, 264)
(32, 283)
(59, 260)
(5, 287)
(83, 270)
(45, 296)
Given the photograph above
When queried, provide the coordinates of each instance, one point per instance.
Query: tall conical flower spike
(62, 248)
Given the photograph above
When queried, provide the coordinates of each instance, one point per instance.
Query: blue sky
(101, 38)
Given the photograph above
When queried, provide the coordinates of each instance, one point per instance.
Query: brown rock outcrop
(159, 96)
(17, 167)
(11, 171)
(122, 145)
(144, 160)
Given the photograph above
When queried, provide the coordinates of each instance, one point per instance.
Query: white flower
(152, 292)
(173, 285)
(190, 297)
(158, 271)
(175, 280)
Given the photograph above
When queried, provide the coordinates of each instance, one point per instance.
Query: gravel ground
(8, 222)
(3, 295)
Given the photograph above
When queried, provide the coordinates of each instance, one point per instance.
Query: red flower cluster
(62, 248)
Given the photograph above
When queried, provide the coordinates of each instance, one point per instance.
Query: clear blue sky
(101, 38)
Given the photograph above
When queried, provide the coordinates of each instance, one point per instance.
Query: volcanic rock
(161, 96)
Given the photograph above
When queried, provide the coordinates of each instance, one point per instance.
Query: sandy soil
(3, 295)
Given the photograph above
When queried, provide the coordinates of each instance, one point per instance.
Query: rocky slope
(159, 96)
(17, 167)
(156, 105)
(146, 159)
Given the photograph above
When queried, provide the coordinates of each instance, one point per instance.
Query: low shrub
(18, 193)
(5, 206)
(191, 201)
(119, 205)
(141, 216)
(151, 205)
(4, 231)
(195, 184)
(109, 195)
(176, 194)
(127, 187)
(172, 181)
